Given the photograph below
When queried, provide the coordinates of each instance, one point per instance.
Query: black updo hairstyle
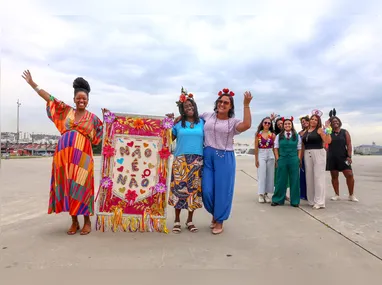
(80, 84)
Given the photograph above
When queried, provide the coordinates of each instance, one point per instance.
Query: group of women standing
(204, 165)
(287, 159)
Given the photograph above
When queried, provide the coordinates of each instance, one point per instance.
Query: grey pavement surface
(329, 244)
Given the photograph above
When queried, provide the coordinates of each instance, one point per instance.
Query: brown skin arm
(276, 152)
(349, 145)
(28, 78)
(256, 151)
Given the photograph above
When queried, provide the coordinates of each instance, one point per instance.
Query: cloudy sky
(294, 56)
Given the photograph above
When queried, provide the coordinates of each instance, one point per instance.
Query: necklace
(268, 141)
(226, 144)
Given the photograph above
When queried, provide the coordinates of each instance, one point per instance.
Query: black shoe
(274, 204)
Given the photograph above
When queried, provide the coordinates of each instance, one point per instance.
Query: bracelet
(246, 107)
(37, 89)
(328, 131)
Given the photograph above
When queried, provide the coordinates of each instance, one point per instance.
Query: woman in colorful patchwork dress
(288, 158)
(314, 139)
(186, 188)
(265, 159)
(304, 125)
(219, 158)
(72, 181)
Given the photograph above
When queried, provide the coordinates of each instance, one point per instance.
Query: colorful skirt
(186, 186)
(72, 181)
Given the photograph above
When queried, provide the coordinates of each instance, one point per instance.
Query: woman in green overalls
(287, 149)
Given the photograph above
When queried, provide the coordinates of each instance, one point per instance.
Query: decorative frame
(135, 173)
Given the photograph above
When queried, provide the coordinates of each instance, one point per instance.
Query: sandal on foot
(212, 225)
(73, 229)
(177, 228)
(217, 231)
(86, 229)
(191, 227)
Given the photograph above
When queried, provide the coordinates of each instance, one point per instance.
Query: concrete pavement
(344, 238)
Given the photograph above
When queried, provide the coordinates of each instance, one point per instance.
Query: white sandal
(177, 228)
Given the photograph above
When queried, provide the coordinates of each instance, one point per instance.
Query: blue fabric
(189, 141)
(303, 181)
(218, 183)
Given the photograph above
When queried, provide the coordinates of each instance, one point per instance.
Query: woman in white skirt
(265, 159)
(314, 139)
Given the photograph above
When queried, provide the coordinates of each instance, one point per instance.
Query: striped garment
(72, 182)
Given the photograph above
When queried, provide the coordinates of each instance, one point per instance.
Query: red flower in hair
(182, 98)
(231, 93)
(220, 93)
(225, 90)
(190, 95)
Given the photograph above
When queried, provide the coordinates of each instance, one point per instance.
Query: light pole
(18, 123)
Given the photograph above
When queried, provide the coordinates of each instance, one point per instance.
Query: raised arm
(28, 78)
(247, 120)
(256, 151)
(325, 134)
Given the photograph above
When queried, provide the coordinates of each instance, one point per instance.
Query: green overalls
(288, 167)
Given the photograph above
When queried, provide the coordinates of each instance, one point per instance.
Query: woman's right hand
(170, 115)
(257, 164)
(27, 76)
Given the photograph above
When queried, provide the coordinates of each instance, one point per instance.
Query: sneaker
(335, 198)
(317, 207)
(353, 198)
(261, 199)
(267, 199)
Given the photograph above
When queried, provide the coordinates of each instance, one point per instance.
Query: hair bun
(80, 83)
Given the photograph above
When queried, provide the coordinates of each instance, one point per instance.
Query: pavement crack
(248, 175)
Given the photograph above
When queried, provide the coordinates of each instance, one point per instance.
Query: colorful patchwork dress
(186, 178)
(72, 181)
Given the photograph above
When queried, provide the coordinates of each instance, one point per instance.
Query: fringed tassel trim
(119, 223)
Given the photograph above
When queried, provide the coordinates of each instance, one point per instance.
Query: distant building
(365, 149)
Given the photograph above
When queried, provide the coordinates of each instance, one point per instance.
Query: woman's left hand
(247, 98)
(327, 124)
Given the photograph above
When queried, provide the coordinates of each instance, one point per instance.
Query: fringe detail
(119, 223)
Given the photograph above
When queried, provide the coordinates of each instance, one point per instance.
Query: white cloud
(137, 63)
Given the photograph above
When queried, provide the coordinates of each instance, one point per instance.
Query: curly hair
(80, 84)
(183, 113)
(261, 127)
(277, 129)
(231, 112)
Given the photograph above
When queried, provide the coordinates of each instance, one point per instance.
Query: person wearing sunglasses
(219, 170)
(265, 159)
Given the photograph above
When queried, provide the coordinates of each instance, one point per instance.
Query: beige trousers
(315, 168)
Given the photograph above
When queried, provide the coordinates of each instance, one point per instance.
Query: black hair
(80, 84)
(294, 133)
(261, 127)
(335, 117)
(277, 129)
(183, 113)
(231, 112)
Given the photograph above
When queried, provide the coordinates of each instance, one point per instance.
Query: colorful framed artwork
(135, 173)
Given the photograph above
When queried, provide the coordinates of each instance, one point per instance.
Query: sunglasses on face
(226, 103)
(267, 123)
